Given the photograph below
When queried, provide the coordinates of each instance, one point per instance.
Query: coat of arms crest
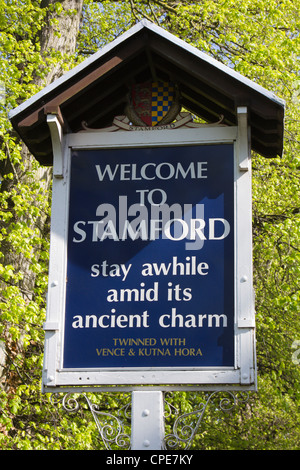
(153, 104)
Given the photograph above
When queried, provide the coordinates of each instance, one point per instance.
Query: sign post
(150, 276)
(147, 431)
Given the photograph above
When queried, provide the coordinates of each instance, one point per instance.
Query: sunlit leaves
(259, 39)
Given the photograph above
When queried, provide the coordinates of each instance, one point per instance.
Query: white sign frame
(243, 375)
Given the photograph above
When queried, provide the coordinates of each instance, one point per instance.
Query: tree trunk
(58, 36)
(61, 37)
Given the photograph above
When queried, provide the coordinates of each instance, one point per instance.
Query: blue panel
(151, 258)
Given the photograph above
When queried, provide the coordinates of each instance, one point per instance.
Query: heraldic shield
(153, 103)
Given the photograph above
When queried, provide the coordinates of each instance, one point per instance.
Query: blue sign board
(150, 264)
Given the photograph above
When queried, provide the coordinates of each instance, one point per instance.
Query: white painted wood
(57, 145)
(143, 377)
(244, 275)
(57, 274)
(244, 148)
(50, 326)
(243, 249)
(243, 374)
(152, 137)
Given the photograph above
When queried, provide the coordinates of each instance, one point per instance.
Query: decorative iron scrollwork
(112, 428)
(186, 425)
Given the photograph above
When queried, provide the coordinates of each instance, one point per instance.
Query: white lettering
(149, 171)
(212, 223)
(184, 232)
(107, 171)
(112, 320)
(113, 270)
(79, 231)
(176, 320)
(173, 222)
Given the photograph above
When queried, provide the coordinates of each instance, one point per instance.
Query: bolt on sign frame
(150, 281)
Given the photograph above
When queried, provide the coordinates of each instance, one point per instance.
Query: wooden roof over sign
(96, 91)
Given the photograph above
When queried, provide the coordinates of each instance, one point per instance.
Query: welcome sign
(150, 264)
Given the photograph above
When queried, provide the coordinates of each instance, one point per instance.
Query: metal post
(147, 420)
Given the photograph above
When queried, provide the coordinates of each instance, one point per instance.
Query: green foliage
(101, 16)
(259, 39)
